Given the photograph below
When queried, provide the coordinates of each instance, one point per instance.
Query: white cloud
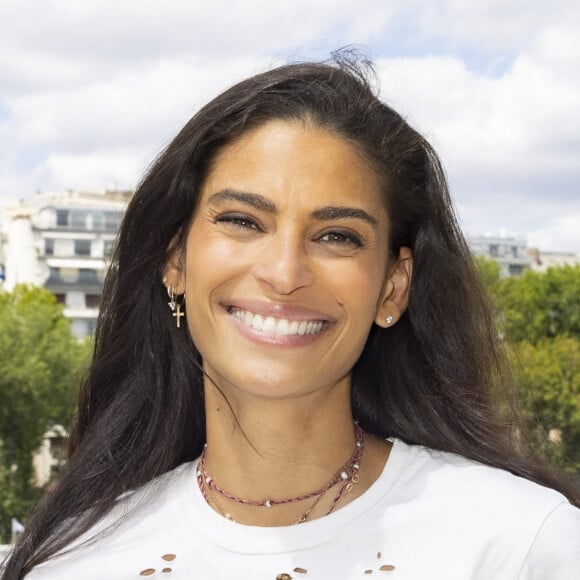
(139, 112)
(559, 234)
(131, 107)
(114, 168)
(92, 90)
(496, 26)
(136, 30)
(510, 143)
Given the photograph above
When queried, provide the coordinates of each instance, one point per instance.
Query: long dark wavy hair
(436, 378)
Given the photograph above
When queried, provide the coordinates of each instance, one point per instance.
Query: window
(112, 220)
(53, 275)
(79, 220)
(60, 298)
(49, 247)
(494, 250)
(92, 300)
(63, 276)
(69, 275)
(82, 247)
(62, 218)
(87, 276)
(98, 220)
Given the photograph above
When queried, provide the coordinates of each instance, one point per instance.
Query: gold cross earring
(175, 306)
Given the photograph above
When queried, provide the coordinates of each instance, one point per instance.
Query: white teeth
(279, 326)
(269, 326)
(282, 327)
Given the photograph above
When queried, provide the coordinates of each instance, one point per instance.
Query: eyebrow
(253, 199)
(337, 213)
(324, 213)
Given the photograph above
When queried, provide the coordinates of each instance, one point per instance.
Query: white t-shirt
(430, 515)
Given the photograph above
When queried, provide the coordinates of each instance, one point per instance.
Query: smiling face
(286, 262)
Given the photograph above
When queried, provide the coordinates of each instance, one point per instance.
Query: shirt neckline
(245, 539)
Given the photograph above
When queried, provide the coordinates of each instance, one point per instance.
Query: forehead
(296, 160)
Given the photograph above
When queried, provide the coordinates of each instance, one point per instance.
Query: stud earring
(172, 304)
(389, 319)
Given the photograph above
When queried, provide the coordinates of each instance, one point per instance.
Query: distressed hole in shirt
(284, 576)
(168, 557)
(368, 571)
(387, 568)
(147, 572)
(166, 570)
(299, 570)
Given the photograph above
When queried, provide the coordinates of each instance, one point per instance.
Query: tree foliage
(40, 365)
(541, 305)
(539, 315)
(489, 273)
(549, 376)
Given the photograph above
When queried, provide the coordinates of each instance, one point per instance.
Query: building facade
(511, 253)
(63, 242)
(50, 457)
(540, 261)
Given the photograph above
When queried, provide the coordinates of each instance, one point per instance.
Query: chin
(272, 383)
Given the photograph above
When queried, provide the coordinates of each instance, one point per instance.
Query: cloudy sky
(92, 90)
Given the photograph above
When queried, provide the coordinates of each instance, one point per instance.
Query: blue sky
(92, 90)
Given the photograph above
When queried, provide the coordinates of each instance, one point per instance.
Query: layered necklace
(343, 480)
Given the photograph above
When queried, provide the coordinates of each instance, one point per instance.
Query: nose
(283, 263)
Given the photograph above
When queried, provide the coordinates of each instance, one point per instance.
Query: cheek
(208, 271)
(208, 259)
(358, 289)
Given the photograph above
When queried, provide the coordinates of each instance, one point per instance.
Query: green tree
(40, 366)
(539, 315)
(549, 377)
(490, 274)
(541, 305)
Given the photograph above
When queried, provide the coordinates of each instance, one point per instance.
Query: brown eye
(238, 221)
(340, 238)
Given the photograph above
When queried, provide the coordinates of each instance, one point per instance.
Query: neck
(282, 443)
(260, 448)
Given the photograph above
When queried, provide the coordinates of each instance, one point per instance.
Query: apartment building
(510, 252)
(63, 242)
(541, 261)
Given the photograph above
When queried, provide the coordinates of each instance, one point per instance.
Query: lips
(271, 325)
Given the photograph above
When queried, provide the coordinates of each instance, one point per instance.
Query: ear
(395, 296)
(174, 271)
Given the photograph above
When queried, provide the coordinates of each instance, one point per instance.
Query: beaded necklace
(347, 476)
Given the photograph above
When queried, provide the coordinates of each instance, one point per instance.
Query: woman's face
(286, 263)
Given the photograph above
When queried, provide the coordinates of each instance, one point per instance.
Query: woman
(291, 288)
